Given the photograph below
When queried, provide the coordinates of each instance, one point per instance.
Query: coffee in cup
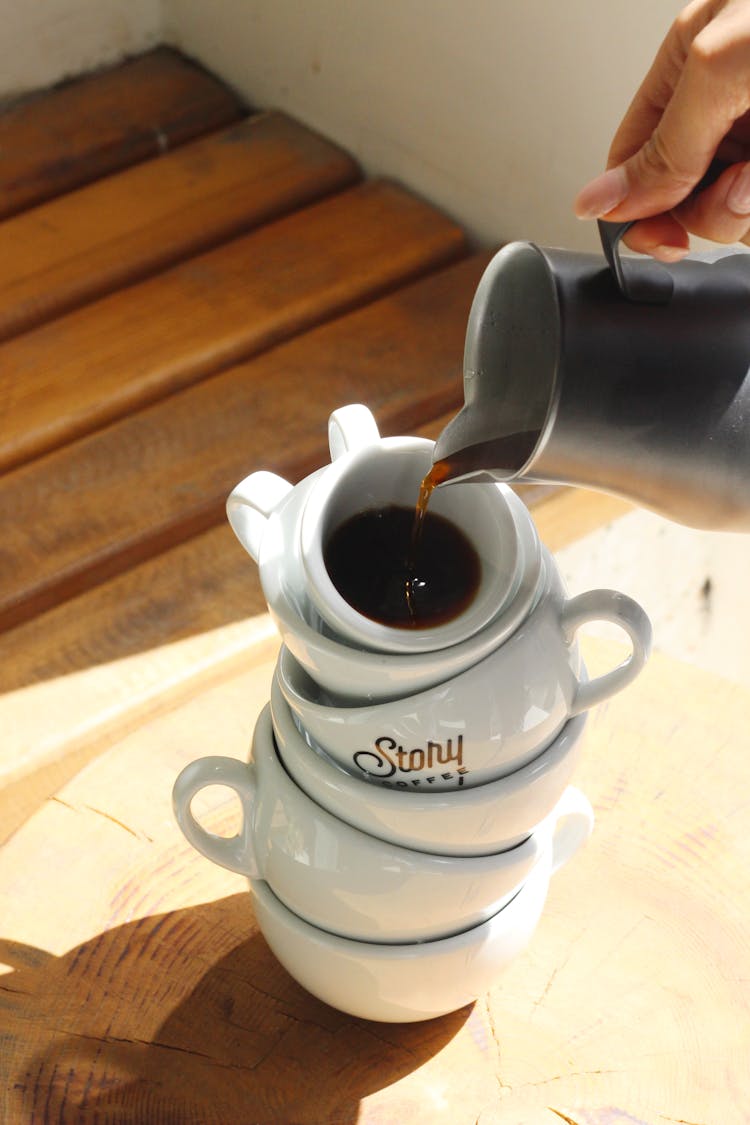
(400, 572)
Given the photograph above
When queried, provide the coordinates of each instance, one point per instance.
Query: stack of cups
(407, 797)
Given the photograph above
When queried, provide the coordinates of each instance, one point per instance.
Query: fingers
(698, 87)
(660, 83)
(664, 170)
(711, 94)
(656, 90)
(663, 237)
(721, 212)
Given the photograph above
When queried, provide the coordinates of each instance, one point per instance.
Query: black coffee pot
(614, 373)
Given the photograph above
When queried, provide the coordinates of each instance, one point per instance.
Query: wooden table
(183, 319)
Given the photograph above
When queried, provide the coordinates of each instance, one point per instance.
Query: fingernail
(602, 194)
(668, 253)
(738, 196)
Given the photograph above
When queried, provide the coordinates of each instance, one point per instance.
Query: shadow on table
(182, 1018)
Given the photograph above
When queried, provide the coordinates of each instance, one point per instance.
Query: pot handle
(644, 282)
(250, 505)
(641, 279)
(236, 853)
(608, 605)
(573, 822)
(349, 428)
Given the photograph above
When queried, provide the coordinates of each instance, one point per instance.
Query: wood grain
(82, 675)
(58, 139)
(110, 357)
(142, 990)
(163, 473)
(118, 230)
(564, 515)
(93, 667)
(137, 988)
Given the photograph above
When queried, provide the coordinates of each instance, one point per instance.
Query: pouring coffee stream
(621, 375)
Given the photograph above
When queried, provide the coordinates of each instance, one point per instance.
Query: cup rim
(288, 663)
(533, 885)
(538, 843)
(490, 600)
(476, 797)
(391, 667)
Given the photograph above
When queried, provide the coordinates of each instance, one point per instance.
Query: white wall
(43, 41)
(497, 110)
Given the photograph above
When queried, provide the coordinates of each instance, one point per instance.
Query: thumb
(653, 180)
(708, 98)
(668, 166)
(648, 183)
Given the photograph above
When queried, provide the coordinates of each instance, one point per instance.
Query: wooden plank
(570, 513)
(124, 227)
(61, 138)
(138, 987)
(99, 362)
(162, 474)
(80, 677)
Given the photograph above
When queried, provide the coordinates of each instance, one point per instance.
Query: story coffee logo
(388, 760)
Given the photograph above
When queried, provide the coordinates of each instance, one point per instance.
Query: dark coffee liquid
(504, 456)
(505, 453)
(413, 569)
(379, 568)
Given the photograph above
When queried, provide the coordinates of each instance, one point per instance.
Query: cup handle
(608, 605)
(349, 428)
(250, 505)
(237, 853)
(574, 820)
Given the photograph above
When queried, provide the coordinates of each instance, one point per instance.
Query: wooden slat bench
(52, 143)
(188, 287)
(162, 473)
(75, 374)
(84, 244)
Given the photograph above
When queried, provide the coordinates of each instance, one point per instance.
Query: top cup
(291, 541)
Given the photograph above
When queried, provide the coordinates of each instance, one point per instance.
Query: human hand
(693, 104)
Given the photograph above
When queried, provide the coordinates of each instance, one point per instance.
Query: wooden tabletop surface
(188, 289)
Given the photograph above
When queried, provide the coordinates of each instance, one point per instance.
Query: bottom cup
(346, 881)
(401, 983)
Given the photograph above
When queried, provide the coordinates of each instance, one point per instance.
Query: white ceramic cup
(401, 983)
(389, 472)
(284, 530)
(466, 822)
(342, 880)
(482, 723)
